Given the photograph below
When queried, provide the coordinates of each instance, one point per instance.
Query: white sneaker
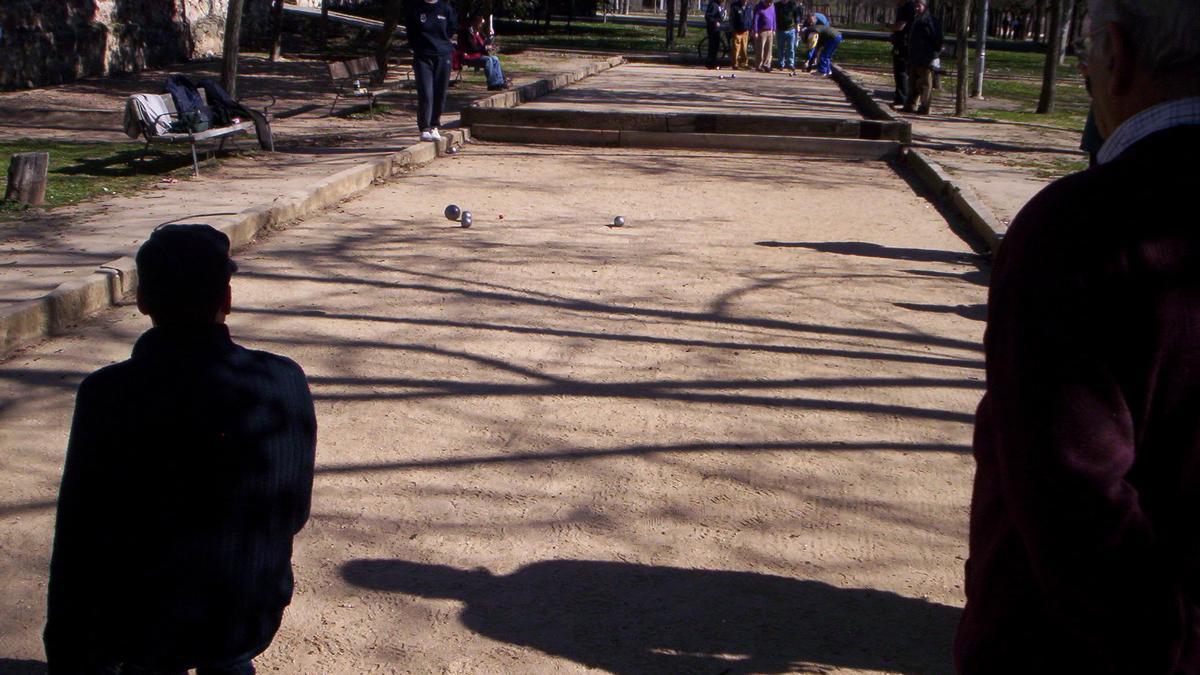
(436, 135)
(427, 136)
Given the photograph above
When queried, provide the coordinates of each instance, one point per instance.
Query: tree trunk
(391, 19)
(27, 178)
(960, 88)
(1050, 73)
(981, 35)
(276, 30)
(1039, 13)
(683, 14)
(671, 24)
(1068, 21)
(233, 34)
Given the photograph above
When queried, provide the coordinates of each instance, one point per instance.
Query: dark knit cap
(184, 269)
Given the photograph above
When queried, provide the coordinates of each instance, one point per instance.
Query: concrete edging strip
(958, 197)
(75, 300)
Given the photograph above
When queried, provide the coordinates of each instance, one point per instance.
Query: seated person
(475, 48)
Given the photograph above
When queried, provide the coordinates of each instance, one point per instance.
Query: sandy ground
(732, 436)
(661, 88)
(45, 248)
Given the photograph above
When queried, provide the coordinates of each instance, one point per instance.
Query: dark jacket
(906, 13)
(924, 40)
(785, 15)
(715, 15)
(189, 470)
(826, 33)
(429, 27)
(741, 16)
(1084, 548)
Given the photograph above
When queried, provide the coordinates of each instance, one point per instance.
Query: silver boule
(466, 219)
(619, 221)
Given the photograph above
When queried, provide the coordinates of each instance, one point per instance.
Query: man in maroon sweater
(1085, 521)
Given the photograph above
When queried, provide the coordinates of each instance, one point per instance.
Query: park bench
(153, 129)
(362, 78)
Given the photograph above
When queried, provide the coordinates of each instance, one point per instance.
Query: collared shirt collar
(171, 340)
(1177, 113)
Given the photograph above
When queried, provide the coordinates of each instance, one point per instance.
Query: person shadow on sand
(629, 618)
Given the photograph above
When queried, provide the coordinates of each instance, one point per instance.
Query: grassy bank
(80, 171)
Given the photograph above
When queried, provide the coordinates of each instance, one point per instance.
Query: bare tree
(671, 24)
(391, 18)
(963, 14)
(233, 32)
(323, 31)
(981, 35)
(276, 29)
(683, 14)
(1050, 72)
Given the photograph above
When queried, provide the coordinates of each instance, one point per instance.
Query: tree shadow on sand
(629, 618)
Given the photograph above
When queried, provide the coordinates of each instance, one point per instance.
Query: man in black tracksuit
(429, 24)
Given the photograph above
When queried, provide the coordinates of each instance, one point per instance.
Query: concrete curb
(862, 99)
(842, 148)
(25, 322)
(958, 197)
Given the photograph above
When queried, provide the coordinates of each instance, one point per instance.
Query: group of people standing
(744, 20)
(916, 45)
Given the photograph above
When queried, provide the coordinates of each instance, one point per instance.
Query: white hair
(1165, 34)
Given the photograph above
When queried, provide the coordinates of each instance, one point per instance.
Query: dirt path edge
(956, 196)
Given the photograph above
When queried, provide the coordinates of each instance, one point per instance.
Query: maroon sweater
(1085, 521)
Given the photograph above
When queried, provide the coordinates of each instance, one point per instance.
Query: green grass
(1070, 110)
(591, 35)
(366, 114)
(81, 171)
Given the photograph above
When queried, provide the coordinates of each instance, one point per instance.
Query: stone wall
(53, 41)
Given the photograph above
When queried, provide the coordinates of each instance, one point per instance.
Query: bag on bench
(194, 114)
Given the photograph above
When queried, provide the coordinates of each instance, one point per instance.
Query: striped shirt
(1177, 113)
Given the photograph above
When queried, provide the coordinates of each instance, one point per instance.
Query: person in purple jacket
(763, 29)
(1085, 518)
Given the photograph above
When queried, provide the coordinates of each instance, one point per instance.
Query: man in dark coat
(188, 472)
(924, 45)
(1084, 545)
(741, 16)
(900, 27)
(715, 18)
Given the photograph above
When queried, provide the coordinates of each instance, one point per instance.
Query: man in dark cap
(188, 472)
